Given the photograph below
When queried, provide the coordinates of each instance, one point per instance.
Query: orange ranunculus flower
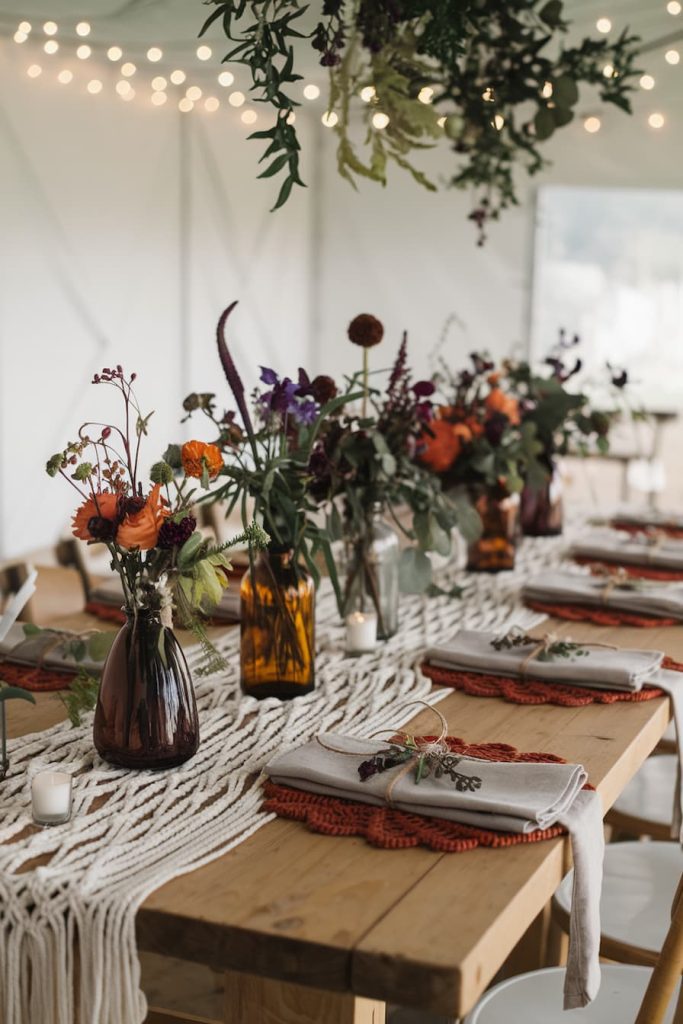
(197, 454)
(440, 445)
(141, 529)
(498, 401)
(100, 506)
(494, 379)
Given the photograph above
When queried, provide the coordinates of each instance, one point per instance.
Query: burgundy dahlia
(365, 330)
(174, 534)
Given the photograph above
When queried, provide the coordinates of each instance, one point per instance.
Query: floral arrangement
(368, 456)
(164, 563)
(478, 438)
(561, 420)
(491, 79)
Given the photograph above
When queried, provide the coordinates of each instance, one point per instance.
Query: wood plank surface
(413, 927)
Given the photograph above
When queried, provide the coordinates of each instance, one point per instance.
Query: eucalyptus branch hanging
(490, 78)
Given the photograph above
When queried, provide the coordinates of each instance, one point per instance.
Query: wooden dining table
(313, 928)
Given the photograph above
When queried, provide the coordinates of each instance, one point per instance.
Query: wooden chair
(639, 883)
(12, 575)
(628, 994)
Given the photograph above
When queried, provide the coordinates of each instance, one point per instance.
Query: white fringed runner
(131, 832)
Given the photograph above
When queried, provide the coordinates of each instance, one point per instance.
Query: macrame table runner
(391, 829)
(536, 691)
(598, 616)
(133, 831)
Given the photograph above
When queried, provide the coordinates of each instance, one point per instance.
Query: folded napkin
(663, 600)
(513, 797)
(649, 518)
(227, 610)
(472, 651)
(626, 549)
(41, 649)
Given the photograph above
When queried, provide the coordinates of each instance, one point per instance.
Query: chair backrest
(12, 575)
(667, 972)
(69, 553)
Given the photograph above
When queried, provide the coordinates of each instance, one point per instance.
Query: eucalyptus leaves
(490, 78)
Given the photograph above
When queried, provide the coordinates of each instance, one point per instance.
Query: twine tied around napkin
(55, 638)
(547, 647)
(425, 757)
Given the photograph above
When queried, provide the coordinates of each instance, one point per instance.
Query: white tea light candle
(361, 632)
(51, 798)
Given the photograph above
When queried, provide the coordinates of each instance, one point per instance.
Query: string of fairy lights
(70, 55)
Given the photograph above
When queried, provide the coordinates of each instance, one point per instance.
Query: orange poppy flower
(439, 452)
(100, 506)
(498, 401)
(196, 454)
(141, 529)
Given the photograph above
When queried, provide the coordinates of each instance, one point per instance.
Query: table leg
(249, 999)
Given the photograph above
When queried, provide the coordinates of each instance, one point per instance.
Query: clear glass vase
(277, 627)
(146, 714)
(372, 564)
(495, 550)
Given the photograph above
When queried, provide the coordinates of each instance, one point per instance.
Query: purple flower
(269, 376)
(306, 412)
(423, 389)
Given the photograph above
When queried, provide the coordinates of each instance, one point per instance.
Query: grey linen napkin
(649, 518)
(617, 546)
(562, 586)
(513, 797)
(472, 651)
(39, 649)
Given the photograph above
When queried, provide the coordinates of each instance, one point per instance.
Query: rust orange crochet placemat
(110, 613)
(392, 829)
(35, 677)
(598, 616)
(668, 528)
(536, 691)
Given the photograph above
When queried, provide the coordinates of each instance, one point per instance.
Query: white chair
(639, 884)
(645, 808)
(627, 994)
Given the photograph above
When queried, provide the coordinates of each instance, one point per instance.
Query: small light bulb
(647, 82)
(34, 70)
(236, 99)
(194, 93)
(128, 69)
(674, 7)
(656, 120)
(159, 98)
(24, 26)
(380, 120)
(425, 94)
(441, 122)
(311, 91)
(159, 83)
(498, 122)
(211, 104)
(123, 87)
(115, 53)
(487, 95)
(83, 28)
(178, 76)
(603, 25)
(226, 78)
(672, 56)
(65, 76)
(329, 119)
(204, 52)
(185, 105)
(592, 125)
(20, 37)
(130, 95)
(248, 116)
(50, 28)
(51, 46)
(608, 71)
(547, 90)
(94, 86)
(368, 93)
(155, 53)
(83, 52)
(291, 117)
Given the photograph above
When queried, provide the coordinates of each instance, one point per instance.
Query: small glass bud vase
(495, 550)
(372, 564)
(277, 626)
(541, 508)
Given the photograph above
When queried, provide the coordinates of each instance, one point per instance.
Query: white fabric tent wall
(126, 230)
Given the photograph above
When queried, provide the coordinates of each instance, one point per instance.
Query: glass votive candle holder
(361, 632)
(51, 798)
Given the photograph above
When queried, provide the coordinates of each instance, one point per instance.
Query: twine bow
(544, 645)
(614, 579)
